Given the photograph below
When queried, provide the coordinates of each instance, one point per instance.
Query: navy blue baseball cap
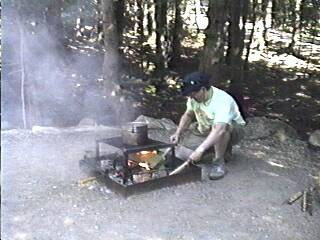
(194, 82)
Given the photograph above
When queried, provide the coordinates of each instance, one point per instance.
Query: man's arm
(184, 123)
(214, 136)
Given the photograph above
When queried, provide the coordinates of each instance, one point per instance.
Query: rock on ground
(314, 138)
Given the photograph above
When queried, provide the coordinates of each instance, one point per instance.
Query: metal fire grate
(124, 183)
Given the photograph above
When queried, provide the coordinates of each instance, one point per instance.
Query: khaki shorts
(237, 135)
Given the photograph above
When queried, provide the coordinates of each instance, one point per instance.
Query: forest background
(111, 61)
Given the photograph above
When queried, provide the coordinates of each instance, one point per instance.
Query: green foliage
(151, 90)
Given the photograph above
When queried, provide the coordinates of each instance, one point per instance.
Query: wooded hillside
(65, 60)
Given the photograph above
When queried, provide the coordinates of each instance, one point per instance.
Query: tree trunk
(176, 36)
(111, 43)
(119, 17)
(253, 21)
(140, 31)
(213, 51)
(111, 64)
(233, 57)
(264, 8)
(140, 18)
(99, 25)
(55, 26)
(160, 17)
(274, 14)
(244, 16)
(149, 17)
(295, 7)
(234, 52)
(79, 21)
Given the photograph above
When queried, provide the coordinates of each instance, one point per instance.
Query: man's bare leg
(221, 147)
(218, 170)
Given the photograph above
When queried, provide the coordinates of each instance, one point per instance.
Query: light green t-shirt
(220, 108)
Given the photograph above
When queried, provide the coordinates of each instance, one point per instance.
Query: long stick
(181, 167)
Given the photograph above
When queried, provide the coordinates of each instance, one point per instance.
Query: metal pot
(135, 133)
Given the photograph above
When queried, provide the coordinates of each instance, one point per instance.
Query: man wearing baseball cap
(218, 117)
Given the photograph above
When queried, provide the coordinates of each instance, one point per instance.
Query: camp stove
(138, 168)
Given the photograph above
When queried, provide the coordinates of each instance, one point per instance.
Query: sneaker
(218, 170)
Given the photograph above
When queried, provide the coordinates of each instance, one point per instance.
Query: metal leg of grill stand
(126, 170)
(97, 150)
(171, 162)
(173, 155)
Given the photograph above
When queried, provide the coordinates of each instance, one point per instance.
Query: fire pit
(139, 168)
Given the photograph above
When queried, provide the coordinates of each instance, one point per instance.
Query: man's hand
(183, 124)
(175, 138)
(195, 156)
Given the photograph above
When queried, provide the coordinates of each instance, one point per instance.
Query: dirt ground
(41, 198)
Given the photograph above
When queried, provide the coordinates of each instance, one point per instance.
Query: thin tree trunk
(79, 21)
(306, 69)
(253, 20)
(264, 21)
(233, 57)
(30, 104)
(140, 30)
(274, 14)
(149, 17)
(140, 18)
(176, 36)
(22, 85)
(160, 13)
(302, 6)
(296, 6)
(244, 16)
(99, 23)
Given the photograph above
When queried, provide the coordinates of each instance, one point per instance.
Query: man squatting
(220, 123)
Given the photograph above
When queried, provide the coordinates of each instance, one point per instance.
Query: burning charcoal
(152, 158)
(144, 165)
(141, 177)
